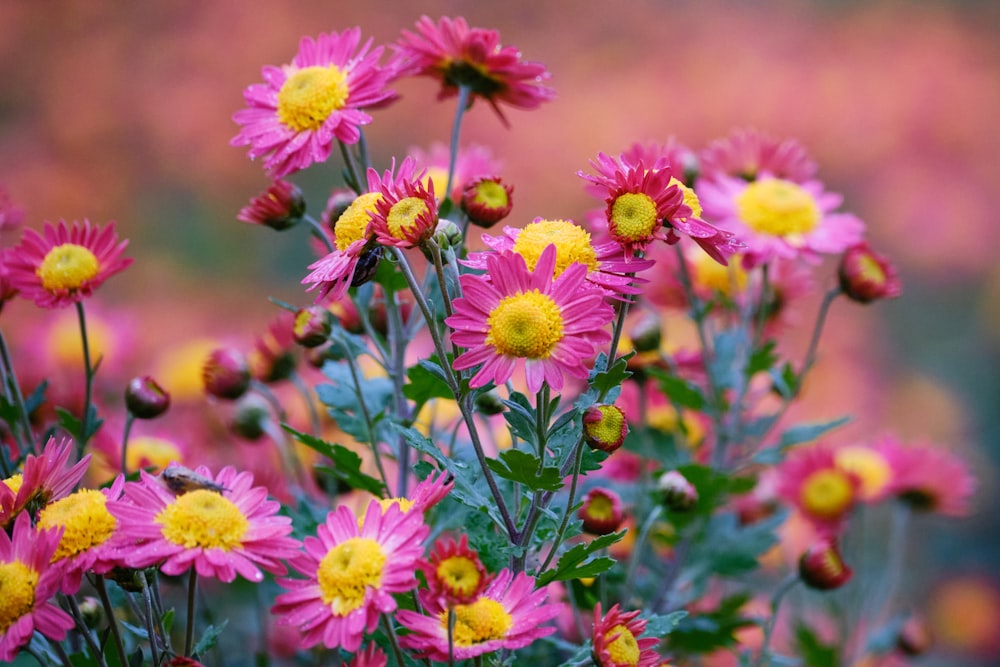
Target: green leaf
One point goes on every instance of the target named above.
(785, 381)
(69, 423)
(762, 359)
(708, 631)
(426, 381)
(521, 418)
(522, 467)
(679, 390)
(578, 562)
(346, 464)
(660, 625)
(209, 637)
(606, 380)
(806, 432)
(814, 652)
(389, 278)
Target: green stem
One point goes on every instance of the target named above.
(366, 415)
(461, 106)
(393, 640)
(319, 232)
(306, 394)
(451, 637)
(129, 419)
(88, 638)
(13, 389)
(102, 591)
(148, 618)
(354, 180)
(764, 657)
(84, 434)
(397, 344)
(191, 597)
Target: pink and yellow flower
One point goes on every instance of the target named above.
(353, 569)
(66, 263)
(616, 639)
(293, 118)
(220, 534)
(928, 478)
(473, 161)
(28, 580)
(455, 574)
(459, 56)
(43, 478)
(812, 482)
(406, 213)
(514, 316)
(747, 153)
(510, 614)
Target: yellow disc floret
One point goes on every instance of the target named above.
(403, 216)
(609, 427)
(493, 195)
(572, 243)
(690, 197)
(708, 273)
(352, 225)
(17, 592)
(600, 507)
(827, 493)
(633, 217)
(482, 621)
(459, 575)
(14, 482)
(310, 95)
(527, 325)
(777, 207)
(624, 650)
(67, 267)
(347, 570)
(85, 519)
(203, 519)
(869, 466)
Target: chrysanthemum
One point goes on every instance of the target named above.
(616, 639)
(353, 238)
(514, 316)
(425, 495)
(43, 478)
(776, 217)
(607, 264)
(458, 55)
(87, 527)
(473, 161)
(870, 465)
(928, 478)
(66, 263)
(279, 207)
(746, 153)
(508, 615)
(372, 656)
(601, 512)
(454, 572)
(811, 481)
(406, 214)
(237, 531)
(352, 573)
(27, 581)
(294, 117)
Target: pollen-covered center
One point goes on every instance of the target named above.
(310, 95)
(14, 482)
(67, 267)
(869, 466)
(482, 621)
(572, 244)
(690, 197)
(527, 325)
(633, 217)
(778, 207)
(609, 427)
(870, 270)
(85, 518)
(17, 592)
(347, 570)
(403, 216)
(624, 649)
(827, 493)
(205, 519)
(352, 225)
(459, 575)
(600, 507)
(492, 195)
(727, 280)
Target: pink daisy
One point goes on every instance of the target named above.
(65, 264)
(616, 642)
(458, 55)
(455, 574)
(220, 534)
(372, 656)
(513, 316)
(44, 478)
(746, 153)
(928, 478)
(294, 117)
(279, 207)
(509, 614)
(776, 217)
(812, 482)
(352, 573)
(28, 580)
(406, 214)
(608, 267)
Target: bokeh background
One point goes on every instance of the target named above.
(115, 110)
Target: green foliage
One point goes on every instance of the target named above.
(345, 464)
(524, 468)
(707, 631)
(582, 560)
(814, 652)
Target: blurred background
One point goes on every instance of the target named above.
(115, 110)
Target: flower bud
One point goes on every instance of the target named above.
(822, 567)
(489, 403)
(447, 234)
(127, 578)
(312, 326)
(604, 427)
(601, 512)
(251, 417)
(92, 611)
(339, 201)
(279, 207)
(486, 200)
(226, 373)
(646, 334)
(145, 399)
(867, 276)
(914, 636)
(676, 492)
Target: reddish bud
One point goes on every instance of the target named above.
(677, 493)
(601, 512)
(867, 276)
(604, 427)
(822, 567)
(145, 399)
(312, 326)
(279, 207)
(226, 373)
(486, 200)
(647, 334)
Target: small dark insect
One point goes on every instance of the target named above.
(367, 266)
(182, 480)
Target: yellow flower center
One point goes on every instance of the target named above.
(439, 177)
(633, 216)
(63, 340)
(690, 197)
(826, 493)
(352, 225)
(310, 95)
(403, 216)
(870, 467)
(347, 570)
(727, 280)
(482, 621)
(146, 451)
(17, 592)
(179, 371)
(609, 427)
(527, 325)
(778, 207)
(600, 507)
(14, 482)
(203, 519)
(85, 519)
(624, 650)
(870, 270)
(572, 244)
(459, 574)
(493, 195)
(67, 267)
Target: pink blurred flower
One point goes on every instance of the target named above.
(810, 480)
(746, 153)
(44, 478)
(372, 656)
(293, 118)
(616, 640)
(66, 264)
(11, 215)
(473, 161)
(928, 478)
(514, 316)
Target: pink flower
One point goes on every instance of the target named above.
(294, 117)
(406, 214)
(473, 161)
(44, 478)
(458, 55)
(66, 264)
(279, 207)
(747, 153)
(28, 581)
(372, 656)
(928, 478)
(514, 316)
(616, 640)
(509, 614)
(353, 569)
(812, 482)
(220, 534)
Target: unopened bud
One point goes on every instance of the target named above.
(601, 512)
(312, 326)
(647, 334)
(676, 491)
(867, 276)
(489, 403)
(251, 417)
(92, 611)
(604, 427)
(447, 234)
(145, 399)
(486, 200)
(226, 373)
(822, 567)
(279, 207)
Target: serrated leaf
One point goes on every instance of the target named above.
(209, 637)
(522, 467)
(68, 422)
(577, 561)
(679, 390)
(346, 464)
(785, 381)
(762, 359)
(806, 432)
(606, 380)
(520, 419)
(136, 630)
(660, 625)
(814, 652)
(426, 381)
